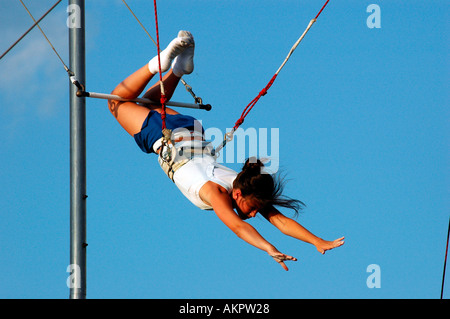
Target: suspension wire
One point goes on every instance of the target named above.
(198, 100)
(72, 77)
(49, 42)
(142, 26)
(31, 28)
(445, 260)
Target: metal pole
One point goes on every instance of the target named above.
(76, 22)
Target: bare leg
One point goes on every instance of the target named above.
(170, 81)
(131, 115)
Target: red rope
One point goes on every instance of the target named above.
(322, 9)
(249, 107)
(163, 96)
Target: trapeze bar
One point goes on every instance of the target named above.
(80, 93)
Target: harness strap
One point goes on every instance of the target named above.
(181, 155)
(170, 169)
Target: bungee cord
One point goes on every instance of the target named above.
(161, 83)
(167, 152)
(229, 136)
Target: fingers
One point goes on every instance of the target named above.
(339, 242)
(280, 258)
(328, 245)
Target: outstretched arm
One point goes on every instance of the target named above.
(291, 228)
(220, 200)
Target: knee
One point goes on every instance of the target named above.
(113, 106)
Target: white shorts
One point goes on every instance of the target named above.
(201, 169)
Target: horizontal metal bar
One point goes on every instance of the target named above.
(206, 107)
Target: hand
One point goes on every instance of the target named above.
(280, 258)
(324, 245)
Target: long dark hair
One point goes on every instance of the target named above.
(266, 188)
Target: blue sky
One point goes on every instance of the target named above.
(363, 138)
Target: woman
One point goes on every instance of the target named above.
(199, 177)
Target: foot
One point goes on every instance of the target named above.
(184, 63)
(175, 48)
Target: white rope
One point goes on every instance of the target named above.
(296, 45)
